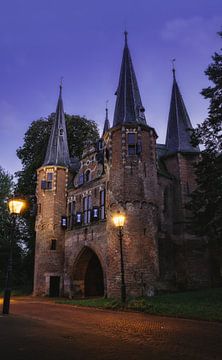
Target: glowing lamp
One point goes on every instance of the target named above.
(119, 220)
(16, 205)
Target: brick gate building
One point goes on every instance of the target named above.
(77, 247)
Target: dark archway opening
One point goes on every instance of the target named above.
(88, 277)
(94, 285)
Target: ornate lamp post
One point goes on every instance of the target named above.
(119, 220)
(16, 206)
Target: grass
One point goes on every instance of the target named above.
(203, 304)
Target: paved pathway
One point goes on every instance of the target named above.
(38, 329)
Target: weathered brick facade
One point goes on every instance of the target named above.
(127, 172)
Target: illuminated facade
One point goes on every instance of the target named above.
(77, 247)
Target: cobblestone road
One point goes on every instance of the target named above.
(38, 329)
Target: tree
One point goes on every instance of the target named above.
(32, 154)
(5, 192)
(206, 200)
(36, 138)
(19, 252)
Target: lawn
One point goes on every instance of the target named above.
(202, 304)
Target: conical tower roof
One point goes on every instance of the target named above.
(106, 126)
(129, 108)
(57, 150)
(179, 127)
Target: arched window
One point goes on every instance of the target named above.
(87, 176)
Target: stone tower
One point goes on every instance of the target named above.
(180, 153)
(131, 189)
(180, 158)
(52, 179)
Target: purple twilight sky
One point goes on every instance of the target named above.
(40, 41)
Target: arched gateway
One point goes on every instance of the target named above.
(88, 277)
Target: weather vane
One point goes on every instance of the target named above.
(107, 109)
(61, 81)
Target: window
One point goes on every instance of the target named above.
(71, 214)
(131, 143)
(64, 222)
(61, 132)
(87, 176)
(78, 218)
(53, 244)
(47, 184)
(102, 205)
(95, 213)
(49, 176)
(49, 180)
(87, 206)
(81, 179)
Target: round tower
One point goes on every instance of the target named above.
(132, 190)
(52, 179)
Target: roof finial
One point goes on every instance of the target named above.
(125, 34)
(60, 85)
(173, 67)
(107, 109)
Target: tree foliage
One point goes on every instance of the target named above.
(36, 138)
(5, 192)
(206, 200)
(19, 268)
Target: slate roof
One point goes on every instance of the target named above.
(129, 108)
(106, 124)
(179, 127)
(57, 150)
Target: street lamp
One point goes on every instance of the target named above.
(119, 220)
(16, 206)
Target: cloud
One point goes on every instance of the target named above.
(196, 32)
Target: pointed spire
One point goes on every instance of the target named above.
(106, 123)
(126, 34)
(129, 108)
(57, 150)
(173, 68)
(179, 128)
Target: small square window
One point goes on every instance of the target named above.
(49, 176)
(131, 143)
(131, 139)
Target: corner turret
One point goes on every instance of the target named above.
(51, 193)
(179, 127)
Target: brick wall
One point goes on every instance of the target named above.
(51, 206)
